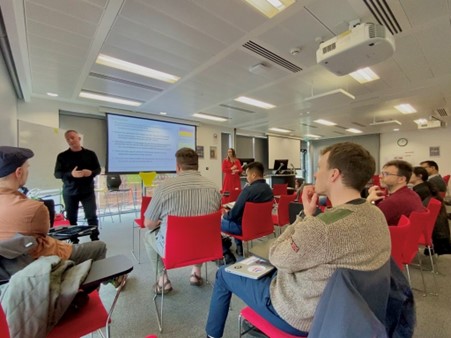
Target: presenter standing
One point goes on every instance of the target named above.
(77, 167)
(231, 167)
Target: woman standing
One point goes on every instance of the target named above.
(231, 167)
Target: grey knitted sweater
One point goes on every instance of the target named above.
(353, 235)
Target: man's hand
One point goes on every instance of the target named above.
(375, 193)
(87, 172)
(309, 200)
(77, 173)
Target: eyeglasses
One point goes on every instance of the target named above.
(385, 174)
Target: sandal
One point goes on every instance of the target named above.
(165, 289)
(198, 280)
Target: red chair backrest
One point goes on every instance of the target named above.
(145, 201)
(257, 220)
(280, 189)
(283, 215)
(417, 219)
(398, 237)
(434, 207)
(183, 235)
(4, 329)
(446, 179)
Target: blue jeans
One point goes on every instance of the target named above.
(233, 228)
(255, 293)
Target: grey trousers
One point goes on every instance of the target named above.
(91, 250)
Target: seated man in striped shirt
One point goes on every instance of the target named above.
(187, 194)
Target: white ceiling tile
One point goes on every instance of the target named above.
(78, 9)
(60, 20)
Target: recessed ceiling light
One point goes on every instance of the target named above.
(163, 113)
(405, 108)
(210, 117)
(325, 122)
(354, 130)
(312, 136)
(52, 94)
(396, 129)
(110, 61)
(270, 7)
(101, 97)
(364, 75)
(280, 130)
(254, 102)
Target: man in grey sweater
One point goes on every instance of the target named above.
(352, 234)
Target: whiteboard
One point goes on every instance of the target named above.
(46, 143)
(280, 148)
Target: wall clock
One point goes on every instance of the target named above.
(402, 142)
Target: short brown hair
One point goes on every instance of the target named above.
(70, 131)
(354, 162)
(256, 167)
(187, 159)
(404, 168)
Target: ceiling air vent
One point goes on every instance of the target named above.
(236, 108)
(125, 82)
(267, 54)
(384, 15)
(308, 125)
(443, 112)
(358, 124)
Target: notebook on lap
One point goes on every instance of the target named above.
(251, 267)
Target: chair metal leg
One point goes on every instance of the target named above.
(433, 271)
(136, 255)
(422, 275)
(159, 313)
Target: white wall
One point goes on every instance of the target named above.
(417, 148)
(209, 136)
(8, 108)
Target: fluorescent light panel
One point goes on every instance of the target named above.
(210, 117)
(270, 8)
(421, 121)
(325, 122)
(405, 108)
(312, 136)
(52, 94)
(110, 61)
(100, 97)
(254, 102)
(280, 130)
(354, 130)
(364, 75)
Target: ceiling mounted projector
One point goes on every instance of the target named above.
(364, 45)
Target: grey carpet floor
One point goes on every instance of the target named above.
(186, 308)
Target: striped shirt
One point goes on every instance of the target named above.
(187, 194)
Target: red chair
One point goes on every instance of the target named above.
(93, 316)
(183, 231)
(425, 240)
(262, 324)
(417, 219)
(257, 222)
(398, 236)
(282, 217)
(139, 224)
(446, 179)
(280, 189)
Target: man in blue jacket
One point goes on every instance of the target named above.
(257, 191)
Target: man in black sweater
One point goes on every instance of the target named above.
(77, 168)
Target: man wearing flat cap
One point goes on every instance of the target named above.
(19, 214)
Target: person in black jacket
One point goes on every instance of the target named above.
(441, 236)
(77, 167)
